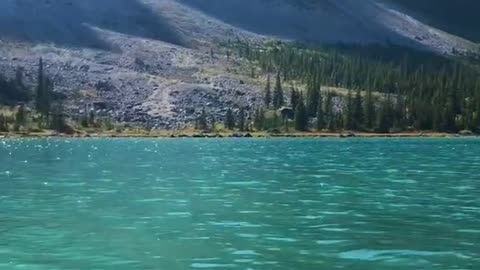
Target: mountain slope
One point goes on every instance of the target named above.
(330, 21)
(70, 23)
(459, 17)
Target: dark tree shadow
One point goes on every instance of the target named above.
(69, 22)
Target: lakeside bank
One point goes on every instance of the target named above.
(193, 134)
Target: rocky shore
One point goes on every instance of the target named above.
(198, 134)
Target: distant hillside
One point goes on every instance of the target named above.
(460, 17)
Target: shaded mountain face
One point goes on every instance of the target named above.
(308, 20)
(70, 22)
(74, 22)
(459, 17)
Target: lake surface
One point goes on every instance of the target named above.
(240, 204)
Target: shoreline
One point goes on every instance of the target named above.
(171, 134)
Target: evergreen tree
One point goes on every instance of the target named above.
(213, 122)
(369, 110)
(229, 120)
(39, 93)
(91, 118)
(84, 120)
(329, 113)
(301, 117)
(241, 120)
(43, 92)
(259, 120)
(202, 120)
(268, 93)
(20, 117)
(320, 114)
(349, 122)
(385, 116)
(449, 116)
(312, 100)
(476, 117)
(358, 117)
(294, 95)
(340, 121)
(3, 123)
(275, 122)
(58, 122)
(21, 89)
(399, 113)
(278, 93)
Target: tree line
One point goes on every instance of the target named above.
(49, 111)
(387, 87)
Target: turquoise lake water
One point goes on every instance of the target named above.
(240, 204)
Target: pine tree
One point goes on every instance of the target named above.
(278, 93)
(301, 117)
(202, 120)
(241, 120)
(399, 113)
(358, 117)
(268, 93)
(329, 113)
(369, 110)
(349, 124)
(293, 98)
(385, 116)
(213, 122)
(58, 122)
(476, 118)
(20, 117)
(448, 117)
(21, 89)
(320, 114)
(3, 123)
(40, 87)
(312, 100)
(43, 92)
(259, 120)
(91, 118)
(229, 120)
(340, 121)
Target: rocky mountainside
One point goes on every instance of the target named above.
(459, 17)
(150, 61)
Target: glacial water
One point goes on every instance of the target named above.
(371, 204)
